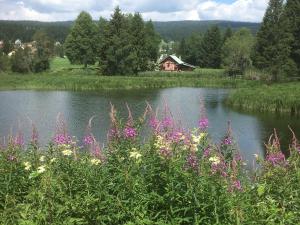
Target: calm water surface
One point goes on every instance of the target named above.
(18, 108)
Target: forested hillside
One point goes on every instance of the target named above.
(175, 30)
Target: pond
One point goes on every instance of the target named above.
(251, 130)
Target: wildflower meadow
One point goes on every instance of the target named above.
(176, 176)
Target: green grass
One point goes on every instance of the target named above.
(282, 98)
(64, 76)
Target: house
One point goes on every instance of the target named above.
(173, 63)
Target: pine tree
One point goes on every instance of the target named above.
(227, 34)
(211, 48)
(118, 56)
(292, 14)
(81, 43)
(272, 48)
(152, 42)
(138, 42)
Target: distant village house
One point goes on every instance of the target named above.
(173, 63)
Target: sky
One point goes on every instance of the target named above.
(157, 10)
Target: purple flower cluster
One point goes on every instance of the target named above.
(130, 133)
(154, 123)
(203, 123)
(192, 161)
(219, 168)
(167, 122)
(62, 139)
(88, 139)
(227, 141)
(19, 140)
(236, 186)
(206, 152)
(276, 159)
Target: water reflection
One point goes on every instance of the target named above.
(42, 107)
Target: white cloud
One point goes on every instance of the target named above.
(55, 10)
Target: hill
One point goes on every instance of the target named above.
(174, 30)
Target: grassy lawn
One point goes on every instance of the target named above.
(64, 76)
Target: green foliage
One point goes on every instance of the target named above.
(44, 49)
(173, 178)
(80, 45)
(281, 98)
(21, 61)
(128, 45)
(236, 52)
(273, 48)
(211, 47)
(4, 62)
(292, 15)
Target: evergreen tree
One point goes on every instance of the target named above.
(193, 43)
(292, 14)
(227, 34)
(211, 48)
(81, 43)
(44, 48)
(138, 41)
(182, 49)
(272, 48)
(118, 56)
(152, 42)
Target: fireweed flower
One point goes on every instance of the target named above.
(276, 158)
(154, 123)
(95, 162)
(203, 123)
(88, 139)
(192, 161)
(167, 122)
(129, 133)
(206, 152)
(61, 139)
(27, 165)
(235, 186)
(227, 141)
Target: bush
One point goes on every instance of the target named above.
(21, 61)
(4, 62)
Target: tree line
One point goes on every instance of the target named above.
(275, 50)
(125, 44)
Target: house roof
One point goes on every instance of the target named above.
(177, 60)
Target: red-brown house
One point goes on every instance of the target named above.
(173, 63)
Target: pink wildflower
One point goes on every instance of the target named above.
(130, 133)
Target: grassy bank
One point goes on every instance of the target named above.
(281, 98)
(64, 76)
(175, 178)
(76, 81)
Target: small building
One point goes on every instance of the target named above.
(173, 63)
